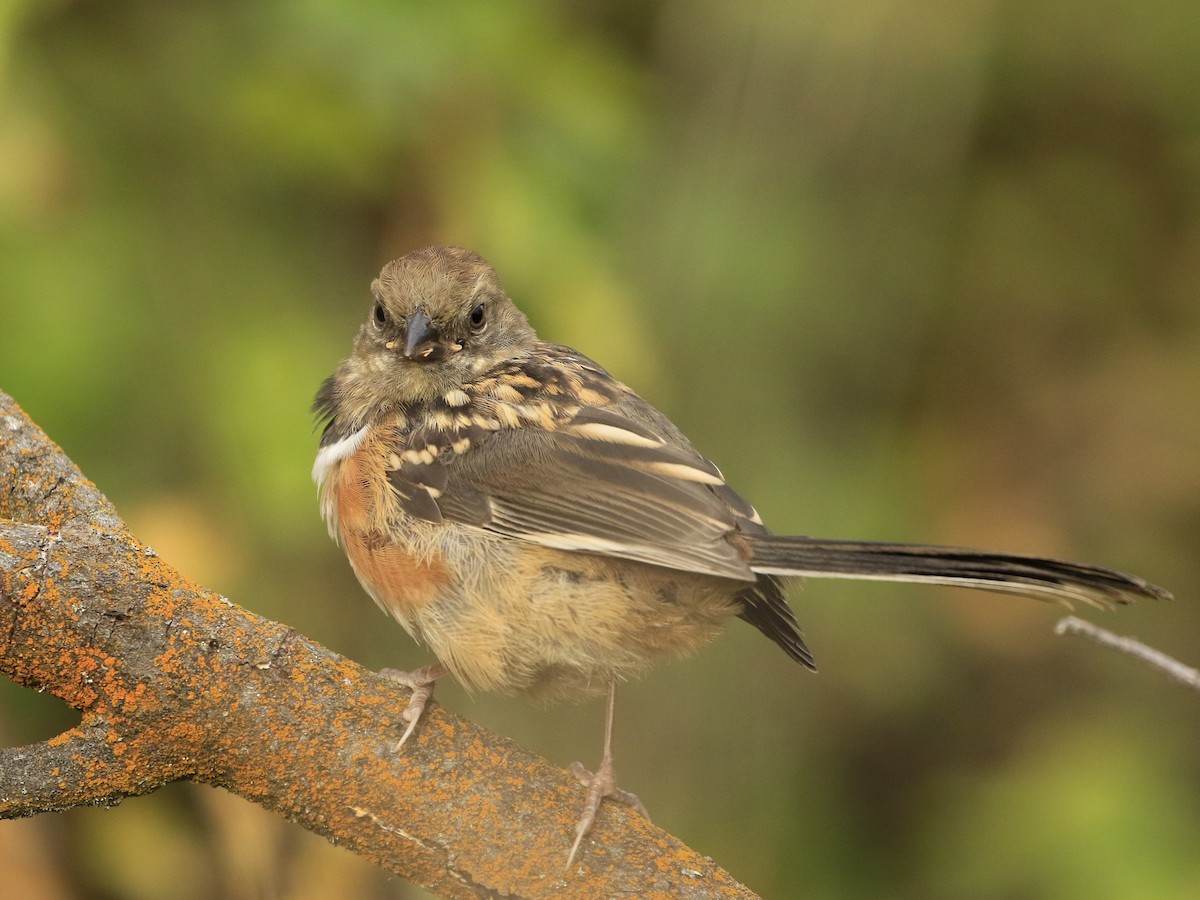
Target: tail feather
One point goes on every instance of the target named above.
(765, 607)
(1046, 579)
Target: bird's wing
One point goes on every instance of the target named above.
(607, 479)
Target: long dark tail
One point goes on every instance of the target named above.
(1045, 579)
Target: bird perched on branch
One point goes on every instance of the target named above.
(548, 532)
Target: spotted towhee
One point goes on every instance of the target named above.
(545, 530)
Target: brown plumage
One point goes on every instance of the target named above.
(545, 530)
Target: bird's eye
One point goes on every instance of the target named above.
(478, 318)
(380, 315)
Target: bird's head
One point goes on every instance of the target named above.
(439, 318)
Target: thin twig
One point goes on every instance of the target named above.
(1170, 666)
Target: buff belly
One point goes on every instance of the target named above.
(517, 618)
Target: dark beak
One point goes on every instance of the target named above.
(421, 338)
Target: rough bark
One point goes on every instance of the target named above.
(176, 682)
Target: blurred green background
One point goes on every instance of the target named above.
(923, 272)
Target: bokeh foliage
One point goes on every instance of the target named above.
(909, 271)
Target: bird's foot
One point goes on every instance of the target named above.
(420, 682)
(601, 785)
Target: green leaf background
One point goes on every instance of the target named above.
(923, 272)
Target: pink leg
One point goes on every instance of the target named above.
(420, 682)
(602, 784)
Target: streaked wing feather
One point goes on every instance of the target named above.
(599, 483)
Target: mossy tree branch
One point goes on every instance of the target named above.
(176, 682)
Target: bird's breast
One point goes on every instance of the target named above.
(396, 559)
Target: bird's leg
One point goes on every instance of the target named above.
(601, 784)
(420, 682)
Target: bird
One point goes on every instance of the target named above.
(547, 532)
